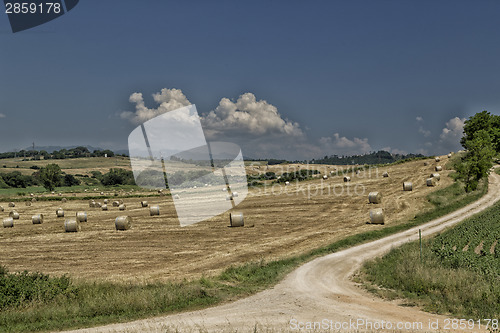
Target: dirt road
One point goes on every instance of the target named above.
(319, 291)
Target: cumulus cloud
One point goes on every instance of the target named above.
(167, 100)
(2, 115)
(249, 116)
(342, 145)
(419, 119)
(452, 133)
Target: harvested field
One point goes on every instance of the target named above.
(279, 221)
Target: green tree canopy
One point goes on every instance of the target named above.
(482, 121)
(50, 176)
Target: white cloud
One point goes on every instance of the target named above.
(342, 145)
(2, 115)
(168, 100)
(249, 117)
(451, 134)
(421, 129)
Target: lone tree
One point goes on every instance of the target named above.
(50, 176)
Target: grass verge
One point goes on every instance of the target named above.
(458, 274)
(91, 304)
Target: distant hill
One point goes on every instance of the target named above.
(379, 157)
(51, 149)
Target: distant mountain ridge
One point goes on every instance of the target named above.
(51, 149)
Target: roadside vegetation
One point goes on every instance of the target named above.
(459, 270)
(52, 303)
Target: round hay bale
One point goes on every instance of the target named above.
(377, 216)
(121, 201)
(14, 215)
(8, 222)
(154, 210)
(375, 197)
(59, 194)
(449, 155)
(32, 194)
(33, 200)
(437, 159)
(144, 203)
(92, 204)
(116, 203)
(104, 207)
(2, 209)
(11, 204)
(236, 219)
(347, 179)
(407, 186)
(438, 168)
(325, 177)
(52, 192)
(287, 183)
(60, 212)
(105, 201)
(385, 174)
(235, 194)
(224, 189)
(37, 219)
(160, 191)
(431, 181)
(436, 175)
(98, 204)
(123, 222)
(81, 216)
(122, 207)
(64, 199)
(177, 196)
(71, 225)
(27, 203)
(102, 193)
(426, 163)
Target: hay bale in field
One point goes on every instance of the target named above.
(385, 174)
(236, 219)
(14, 215)
(11, 204)
(64, 199)
(377, 216)
(59, 194)
(177, 196)
(105, 201)
(407, 186)
(102, 193)
(32, 194)
(92, 204)
(60, 212)
(287, 183)
(1, 209)
(154, 210)
(235, 194)
(104, 207)
(347, 179)
(436, 175)
(437, 159)
(116, 203)
(449, 155)
(375, 197)
(81, 216)
(144, 203)
(37, 219)
(325, 177)
(122, 207)
(27, 203)
(123, 222)
(438, 168)
(431, 182)
(71, 225)
(98, 205)
(160, 191)
(33, 200)
(8, 222)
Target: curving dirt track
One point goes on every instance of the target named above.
(320, 289)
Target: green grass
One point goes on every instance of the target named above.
(90, 304)
(497, 170)
(448, 280)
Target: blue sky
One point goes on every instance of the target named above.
(293, 79)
